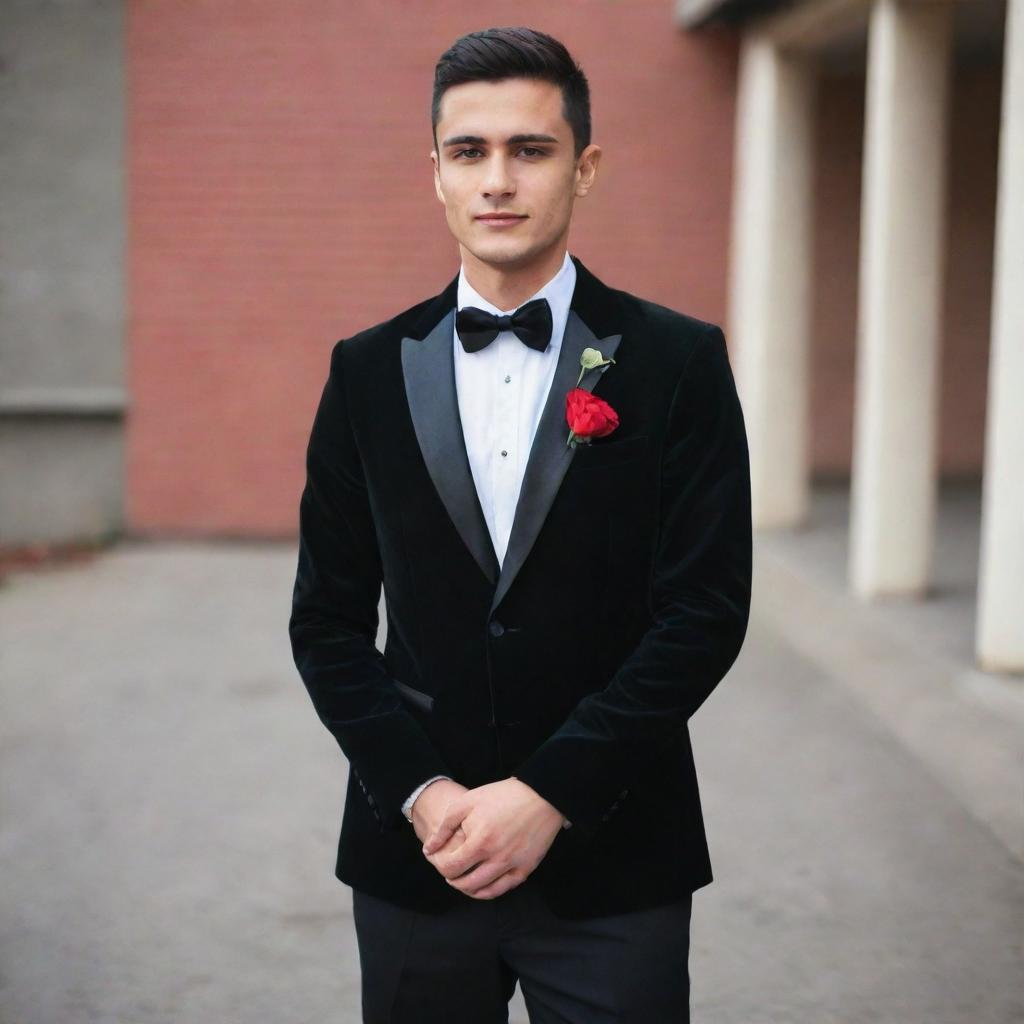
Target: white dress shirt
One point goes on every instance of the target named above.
(501, 393)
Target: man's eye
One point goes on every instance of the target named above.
(530, 151)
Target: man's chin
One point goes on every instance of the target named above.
(504, 257)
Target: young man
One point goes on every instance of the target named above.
(550, 478)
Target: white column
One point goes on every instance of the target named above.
(770, 262)
(1000, 632)
(901, 261)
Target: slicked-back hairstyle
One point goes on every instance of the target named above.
(493, 54)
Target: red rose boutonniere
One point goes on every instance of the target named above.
(587, 415)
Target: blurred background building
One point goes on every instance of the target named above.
(200, 199)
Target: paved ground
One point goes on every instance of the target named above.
(170, 807)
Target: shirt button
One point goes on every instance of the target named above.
(507, 378)
(504, 452)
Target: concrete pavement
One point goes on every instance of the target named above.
(170, 806)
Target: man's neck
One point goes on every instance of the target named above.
(508, 288)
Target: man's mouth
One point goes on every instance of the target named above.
(500, 219)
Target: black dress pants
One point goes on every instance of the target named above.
(461, 966)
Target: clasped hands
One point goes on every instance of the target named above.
(487, 840)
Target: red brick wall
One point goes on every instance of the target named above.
(281, 198)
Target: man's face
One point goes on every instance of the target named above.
(504, 148)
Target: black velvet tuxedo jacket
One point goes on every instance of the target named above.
(575, 667)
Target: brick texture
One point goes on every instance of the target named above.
(280, 198)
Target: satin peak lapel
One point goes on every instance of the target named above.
(428, 367)
(550, 455)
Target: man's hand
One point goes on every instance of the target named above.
(428, 810)
(508, 828)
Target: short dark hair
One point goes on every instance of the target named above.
(493, 54)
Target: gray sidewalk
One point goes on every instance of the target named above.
(170, 806)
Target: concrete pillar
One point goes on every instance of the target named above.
(62, 275)
(1000, 629)
(901, 263)
(770, 261)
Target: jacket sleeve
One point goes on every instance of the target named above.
(334, 618)
(700, 592)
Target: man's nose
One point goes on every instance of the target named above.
(498, 179)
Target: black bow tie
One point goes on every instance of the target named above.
(531, 323)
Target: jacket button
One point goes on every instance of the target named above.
(495, 628)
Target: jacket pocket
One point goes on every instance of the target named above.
(417, 698)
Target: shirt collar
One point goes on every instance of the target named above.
(558, 291)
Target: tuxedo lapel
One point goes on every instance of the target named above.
(550, 455)
(428, 367)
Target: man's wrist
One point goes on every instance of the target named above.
(566, 823)
(407, 806)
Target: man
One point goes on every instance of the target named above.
(550, 478)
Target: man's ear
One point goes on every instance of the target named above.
(586, 169)
(437, 175)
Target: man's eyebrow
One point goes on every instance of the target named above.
(476, 140)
